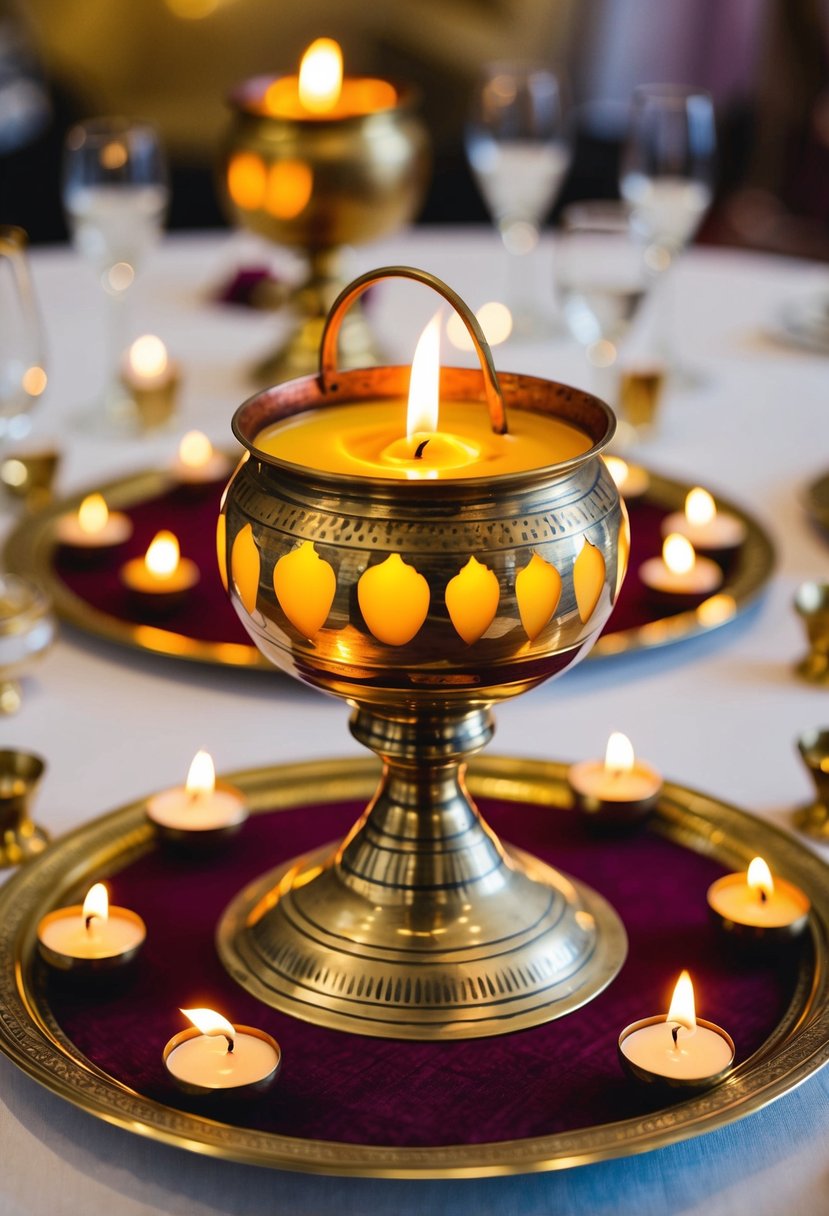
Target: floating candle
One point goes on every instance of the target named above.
(93, 526)
(709, 530)
(91, 937)
(679, 572)
(215, 1056)
(631, 480)
(197, 462)
(755, 906)
(677, 1048)
(200, 811)
(619, 790)
(161, 573)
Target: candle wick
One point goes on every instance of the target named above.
(89, 919)
(763, 895)
(420, 449)
(675, 1035)
(230, 1044)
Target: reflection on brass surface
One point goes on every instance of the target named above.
(29, 476)
(20, 838)
(31, 1037)
(813, 747)
(812, 604)
(317, 186)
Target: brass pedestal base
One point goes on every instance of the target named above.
(421, 925)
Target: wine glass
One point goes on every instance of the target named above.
(601, 278)
(517, 146)
(115, 195)
(22, 373)
(667, 177)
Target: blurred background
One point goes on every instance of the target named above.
(765, 62)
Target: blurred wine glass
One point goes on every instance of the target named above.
(22, 371)
(517, 146)
(115, 195)
(667, 177)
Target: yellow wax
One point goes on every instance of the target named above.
(359, 96)
(368, 439)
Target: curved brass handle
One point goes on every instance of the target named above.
(330, 333)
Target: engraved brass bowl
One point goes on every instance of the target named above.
(316, 185)
(421, 923)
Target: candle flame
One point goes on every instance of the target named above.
(759, 878)
(162, 556)
(678, 554)
(619, 757)
(96, 903)
(201, 778)
(424, 385)
(207, 1021)
(148, 356)
(618, 470)
(681, 1010)
(321, 76)
(93, 514)
(195, 450)
(700, 508)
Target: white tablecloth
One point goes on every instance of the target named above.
(720, 713)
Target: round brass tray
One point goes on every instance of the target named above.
(30, 1036)
(30, 546)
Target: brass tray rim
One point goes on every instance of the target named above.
(28, 551)
(30, 1037)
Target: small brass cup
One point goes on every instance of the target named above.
(21, 839)
(813, 819)
(812, 603)
(30, 476)
(640, 394)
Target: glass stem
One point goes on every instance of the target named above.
(117, 311)
(664, 303)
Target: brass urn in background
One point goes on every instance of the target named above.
(315, 184)
(421, 924)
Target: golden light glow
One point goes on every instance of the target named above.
(618, 470)
(759, 878)
(119, 277)
(221, 547)
(207, 1021)
(622, 548)
(245, 567)
(321, 76)
(93, 514)
(700, 508)
(537, 590)
(96, 903)
(289, 187)
(588, 579)
(619, 756)
(682, 1011)
(678, 554)
(192, 10)
(247, 180)
(195, 450)
(394, 600)
(495, 320)
(162, 557)
(148, 357)
(201, 776)
(305, 585)
(424, 385)
(34, 380)
(472, 600)
(114, 155)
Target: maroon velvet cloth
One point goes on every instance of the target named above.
(341, 1087)
(207, 615)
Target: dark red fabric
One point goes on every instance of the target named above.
(341, 1087)
(207, 615)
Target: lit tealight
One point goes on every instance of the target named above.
(197, 462)
(162, 571)
(321, 76)
(94, 936)
(631, 480)
(151, 378)
(202, 809)
(213, 1055)
(93, 526)
(756, 907)
(709, 530)
(618, 791)
(679, 572)
(495, 320)
(148, 360)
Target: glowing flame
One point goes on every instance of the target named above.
(195, 450)
(93, 514)
(321, 76)
(682, 1011)
(207, 1021)
(201, 778)
(96, 903)
(678, 554)
(759, 878)
(424, 385)
(700, 507)
(148, 357)
(619, 757)
(618, 470)
(163, 554)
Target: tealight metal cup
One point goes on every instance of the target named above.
(78, 967)
(232, 1093)
(813, 819)
(759, 937)
(691, 1084)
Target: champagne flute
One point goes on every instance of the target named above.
(22, 372)
(115, 195)
(517, 146)
(667, 177)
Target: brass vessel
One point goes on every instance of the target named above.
(421, 923)
(316, 185)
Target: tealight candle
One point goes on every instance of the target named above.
(632, 481)
(197, 462)
(677, 1048)
(618, 791)
(710, 531)
(679, 574)
(92, 937)
(202, 810)
(320, 92)
(755, 907)
(161, 577)
(214, 1056)
(93, 527)
(152, 380)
